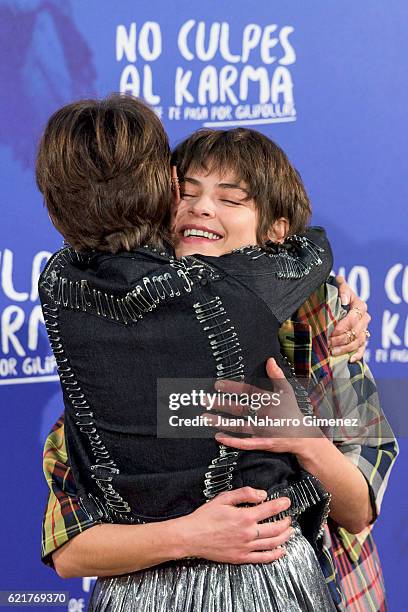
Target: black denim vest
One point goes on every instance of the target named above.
(117, 323)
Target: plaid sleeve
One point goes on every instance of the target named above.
(352, 388)
(63, 517)
(375, 449)
(351, 564)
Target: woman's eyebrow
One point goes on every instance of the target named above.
(232, 186)
(187, 179)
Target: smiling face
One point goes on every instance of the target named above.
(214, 216)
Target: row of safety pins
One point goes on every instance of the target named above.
(302, 396)
(223, 339)
(296, 262)
(224, 344)
(78, 295)
(303, 495)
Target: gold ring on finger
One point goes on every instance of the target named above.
(349, 336)
(358, 311)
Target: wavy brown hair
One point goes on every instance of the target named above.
(103, 167)
(271, 180)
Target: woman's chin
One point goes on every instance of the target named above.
(198, 247)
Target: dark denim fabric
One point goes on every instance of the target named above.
(110, 362)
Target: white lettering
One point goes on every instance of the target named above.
(181, 84)
(282, 84)
(147, 51)
(258, 74)
(182, 39)
(149, 44)
(203, 54)
(268, 42)
(359, 281)
(228, 76)
(390, 284)
(9, 327)
(8, 367)
(148, 94)
(224, 45)
(130, 81)
(389, 323)
(37, 365)
(290, 55)
(250, 40)
(36, 317)
(126, 43)
(7, 279)
(208, 85)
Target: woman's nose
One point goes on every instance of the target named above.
(202, 207)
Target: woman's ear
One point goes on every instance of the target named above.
(279, 230)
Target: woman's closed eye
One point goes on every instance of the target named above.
(232, 202)
(184, 195)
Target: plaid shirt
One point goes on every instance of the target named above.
(350, 563)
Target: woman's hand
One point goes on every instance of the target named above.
(218, 530)
(221, 531)
(350, 502)
(290, 436)
(350, 334)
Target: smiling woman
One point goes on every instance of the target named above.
(238, 181)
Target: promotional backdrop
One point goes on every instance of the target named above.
(327, 80)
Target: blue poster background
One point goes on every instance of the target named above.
(332, 92)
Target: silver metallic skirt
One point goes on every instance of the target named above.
(293, 583)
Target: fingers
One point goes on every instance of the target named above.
(362, 324)
(276, 374)
(273, 370)
(269, 508)
(243, 443)
(353, 325)
(359, 354)
(347, 295)
(350, 321)
(268, 531)
(261, 511)
(267, 544)
(353, 320)
(357, 319)
(341, 345)
(227, 407)
(212, 420)
(233, 386)
(356, 302)
(240, 496)
(265, 557)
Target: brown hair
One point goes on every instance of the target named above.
(272, 182)
(103, 167)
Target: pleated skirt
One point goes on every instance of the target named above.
(293, 583)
